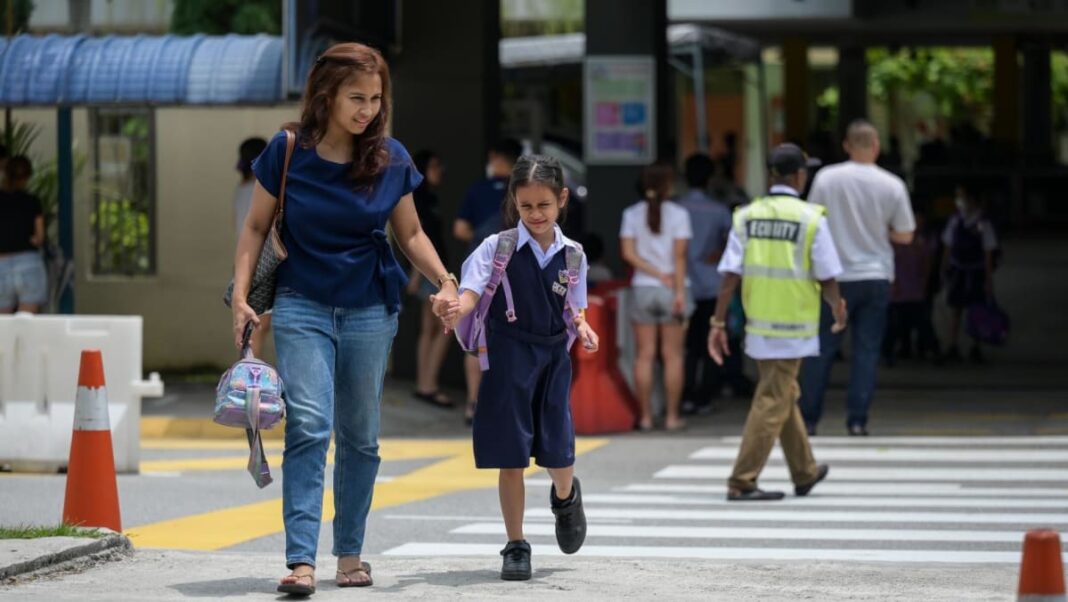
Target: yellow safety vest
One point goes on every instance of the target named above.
(780, 295)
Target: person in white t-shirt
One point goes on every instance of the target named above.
(653, 238)
(867, 208)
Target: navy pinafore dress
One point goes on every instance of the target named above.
(524, 407)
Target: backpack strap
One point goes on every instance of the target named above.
(506, 244)
(257, 458)
(573, 260)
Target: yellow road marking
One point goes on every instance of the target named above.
(232, 526)
(162, 427)
(391, 450)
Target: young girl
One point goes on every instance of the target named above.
(523, 408)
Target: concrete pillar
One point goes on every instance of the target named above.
(446, 97)
(446, 92)
(1037, 109)
(795, 89)
(629, 28)
(852, 86)
(1006, 127)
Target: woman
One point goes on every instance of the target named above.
(335, 310)
(23, 279)
(653, 238)
(433, 341)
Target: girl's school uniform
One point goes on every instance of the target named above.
(524, 408)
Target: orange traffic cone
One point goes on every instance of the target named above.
(92, 498)
(1042, 570)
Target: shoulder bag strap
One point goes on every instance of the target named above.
(291, 143)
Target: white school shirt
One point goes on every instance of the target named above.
(477, 268)
(825, 265)
(659, 248)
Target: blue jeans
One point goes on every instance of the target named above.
(867, 302)
(332, 361)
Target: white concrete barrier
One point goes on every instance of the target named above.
(39, 359)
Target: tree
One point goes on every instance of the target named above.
(221, 17)
(960, 80)
(22, 11)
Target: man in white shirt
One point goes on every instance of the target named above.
(867, 209)
(778, 249)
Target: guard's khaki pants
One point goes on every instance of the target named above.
(774, 415)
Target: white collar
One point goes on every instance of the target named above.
(559, 240)
(783, 189)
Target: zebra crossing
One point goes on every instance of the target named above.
(888, 499)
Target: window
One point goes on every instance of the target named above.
(123, 219)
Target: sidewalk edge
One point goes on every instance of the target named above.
(114, 541)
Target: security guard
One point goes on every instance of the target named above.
(781, 251)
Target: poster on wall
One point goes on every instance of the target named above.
(620, 113)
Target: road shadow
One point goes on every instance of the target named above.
(461, 578)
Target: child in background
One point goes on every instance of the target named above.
(910, 311)
(523, 407)
(970, 244)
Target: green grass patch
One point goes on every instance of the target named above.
(37, 532)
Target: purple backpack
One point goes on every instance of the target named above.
(471, 331)
(987, 323)
(250, 395)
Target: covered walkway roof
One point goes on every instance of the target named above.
(546, 51)
(57, 70)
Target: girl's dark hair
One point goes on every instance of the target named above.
(533, 169)
(656, 184)
(18, 168)
(339, 65)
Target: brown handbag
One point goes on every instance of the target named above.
(273, 253)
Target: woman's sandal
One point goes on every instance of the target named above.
(469, 413)
(436, 399)
(298, 585)
(365, 567)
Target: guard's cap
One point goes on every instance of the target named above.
(788, 158)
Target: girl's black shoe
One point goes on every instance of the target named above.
(516, 565)
(570, 518)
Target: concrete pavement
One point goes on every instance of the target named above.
(163, 576)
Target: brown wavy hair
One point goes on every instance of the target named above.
(339, 65)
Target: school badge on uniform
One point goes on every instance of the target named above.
(563, 277)
(559, 289)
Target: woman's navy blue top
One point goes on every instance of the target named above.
(336, 235)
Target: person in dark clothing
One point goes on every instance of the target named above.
(710, 220)
(910, 307)
(23, 278)
(968, 260)
(433, 342)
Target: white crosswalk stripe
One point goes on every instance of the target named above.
(899, 500)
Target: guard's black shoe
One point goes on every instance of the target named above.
(753, 495)
(516, 565)
(821, 473)
(570, 518)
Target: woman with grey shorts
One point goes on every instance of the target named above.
(23, 280)
(653, 238)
